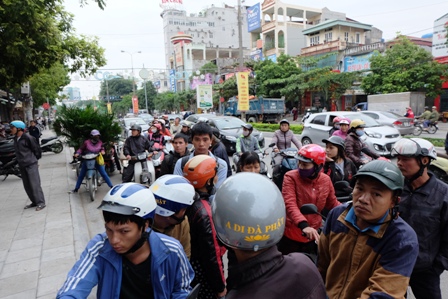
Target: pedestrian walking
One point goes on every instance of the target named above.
(27, 153)
(295, 113)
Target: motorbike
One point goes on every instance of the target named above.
(92, 179)
(52, 144)
(309, 209)
(157, 158)
(8, 161)
(144, 172)
(343, 191)
(169, 148)
(440, 169)
(419, 128)
(289, 162)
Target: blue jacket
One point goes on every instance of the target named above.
(171, 272)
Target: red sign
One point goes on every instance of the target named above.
(135, 104)
(46, 106)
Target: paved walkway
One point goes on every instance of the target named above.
(38, 248)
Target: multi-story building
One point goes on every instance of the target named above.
(213, 32)
(72, 93)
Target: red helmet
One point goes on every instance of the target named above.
(312, 153)
(337, 119)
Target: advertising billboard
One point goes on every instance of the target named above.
(253, 17)
(439, 48)
(243, 91)
(357, 63)
(204, 96)
(173, 80)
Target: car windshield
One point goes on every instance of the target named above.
(130, 121)
(370, 122)
(146, 117)
(228, 123)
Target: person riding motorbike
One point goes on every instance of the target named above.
(337, 166)
(425, 117)
(249, 162)
(219, 149)
(155, 136)
(355, 148)
(344, 125)
(186, 130)
(409, 113)
(134, 144)
(246, 143)
(92, 145)
(282, 139)
(433, 117)
(336, 125)
(307, 184)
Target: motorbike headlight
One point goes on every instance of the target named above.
(231, 138)
(373, 134)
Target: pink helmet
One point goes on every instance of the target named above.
(344, 121)
(336, 120)
(158, 126)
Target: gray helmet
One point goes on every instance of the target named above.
(385, 172)
(249, 212)
(414, 147)
(336, 140)
(284, 121)
(136, 127)
(248, 126)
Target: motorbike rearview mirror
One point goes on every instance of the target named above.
(309, 209)
(272, 144)
(341, 185)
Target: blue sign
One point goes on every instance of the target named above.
(253, 17)
(173, 80)
(273, 58)
(156, 84)
(256, 55)
(357, 63)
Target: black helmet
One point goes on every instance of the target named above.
(336, 140)
(136, 127)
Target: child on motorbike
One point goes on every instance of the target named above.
(249, 162)
(92, 145)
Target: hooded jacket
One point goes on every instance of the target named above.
(354, 146)
(171, 273)
(297, 191)
(283, 140)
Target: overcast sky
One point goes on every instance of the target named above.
(136, 25)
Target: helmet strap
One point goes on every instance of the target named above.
(418, 174)
(143, 238)
(317, 169)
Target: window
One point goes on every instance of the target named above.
(314, 40)
(210, 35)
(328, 36)
(358, 39)
(346, 36)
(319, 120)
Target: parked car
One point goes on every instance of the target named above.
(148, 118)
(379, 138)
(230, 128)
(127, 123)
(403, 124)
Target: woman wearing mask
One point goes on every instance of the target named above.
(93, 145)
(344, 125)
(155, 136)
(307, 184)
(355, 148)
(336, 126)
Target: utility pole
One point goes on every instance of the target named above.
(240, 49)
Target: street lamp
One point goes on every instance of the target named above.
(132, 65)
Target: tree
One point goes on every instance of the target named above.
(209, 68)
(151, 94)
(46, 85)
(76, 124)
(404, 67)
(122, 107)
(117, 87)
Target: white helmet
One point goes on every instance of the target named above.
(130, 199)
(414, 147)
(172, 193)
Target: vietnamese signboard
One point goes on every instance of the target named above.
(439, 47)
(204, 96)
(253, 17)
(357, 63)
(135, 104)
(243, 90)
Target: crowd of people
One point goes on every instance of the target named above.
(163, 240)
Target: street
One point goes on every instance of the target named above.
(37, 249)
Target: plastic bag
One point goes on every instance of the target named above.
(100, 160)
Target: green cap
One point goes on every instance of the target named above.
(385, 172)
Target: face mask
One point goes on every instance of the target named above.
(306, 173)
(246, 133)
(153, 130)
(359, 132)
(337, 126)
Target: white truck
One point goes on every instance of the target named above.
(397, 102)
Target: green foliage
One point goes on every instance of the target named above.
(296, 129)
(151, 94)
(404, 67)
(209, 68)
(76, 124)
(117, 87)
(48, 83)
(122, 107)
(227, 89)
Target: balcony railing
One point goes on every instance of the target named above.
(336, 45)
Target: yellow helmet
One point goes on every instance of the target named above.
(357, 123)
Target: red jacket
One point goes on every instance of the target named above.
(297, 191)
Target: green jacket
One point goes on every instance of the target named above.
(434, 116)
(425, 115)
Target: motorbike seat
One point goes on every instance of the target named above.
(48, 139)
(7, 147)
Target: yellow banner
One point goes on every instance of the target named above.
(109, 108)
(243, 90)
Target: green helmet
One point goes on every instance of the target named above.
(385, 172)
(249, 212)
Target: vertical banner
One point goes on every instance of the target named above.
(204, 96)
(173, 83)
(109, 108)
(253, 17)
(135, 104)
(243, 91)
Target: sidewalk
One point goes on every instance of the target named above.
(37, 249)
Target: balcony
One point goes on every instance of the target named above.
(336, 45)
(268, 26)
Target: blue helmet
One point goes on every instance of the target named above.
(18, 124)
